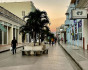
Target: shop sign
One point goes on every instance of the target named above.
(79, 14)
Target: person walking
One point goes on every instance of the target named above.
(58, 40)
(62, 39)
(52, 39)
(49, 41)
(14, 44)
(55, 40)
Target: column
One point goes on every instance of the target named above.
(2, 38)
(77, 34)
(71, 34)
(7, 34)
(18, 36)
(11, 34)
(74, 35)
(28, 37)
(21, 38)
(15, 32)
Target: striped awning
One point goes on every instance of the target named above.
(2, 28)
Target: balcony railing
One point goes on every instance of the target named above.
(11, 16)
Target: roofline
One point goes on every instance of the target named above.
(12, 13)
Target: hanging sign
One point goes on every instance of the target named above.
(3, 28)
(79, 14)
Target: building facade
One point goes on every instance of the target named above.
(20, 9)
(12, 24)
(11, 18)
(83, 4)
(74, 32)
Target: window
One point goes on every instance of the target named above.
(80, 29)
(80, 36)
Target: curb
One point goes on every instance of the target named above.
(72, 57)
(9, 49)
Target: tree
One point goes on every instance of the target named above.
(36, 21)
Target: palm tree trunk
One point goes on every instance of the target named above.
(29, 38)
(39, 38)
(34, 37)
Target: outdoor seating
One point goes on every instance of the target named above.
(35, 50)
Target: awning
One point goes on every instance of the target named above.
(2, 28)
(73, 1)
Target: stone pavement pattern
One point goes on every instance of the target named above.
(78, 54)
(55, 60)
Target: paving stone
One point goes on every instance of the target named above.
(54, 60)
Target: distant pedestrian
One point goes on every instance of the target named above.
(62, 39)
(14, 44)
(49, 41)
(59, 41)
(52, 39)
(55, 40)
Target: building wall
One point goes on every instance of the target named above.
(71, 23)
(85, 32)
(82, 4)
(8, 36)
(20, 9)
(17, 7)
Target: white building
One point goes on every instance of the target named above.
(77, 30)
(83, 4)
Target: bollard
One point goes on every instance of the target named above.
(83, 43)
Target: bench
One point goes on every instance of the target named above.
(28, 50)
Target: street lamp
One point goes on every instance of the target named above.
(61, 30)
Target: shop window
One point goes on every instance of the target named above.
(80, 36)
(80, 29)
(75, 35)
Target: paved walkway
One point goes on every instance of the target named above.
(54, 60)
(4, 48)
(79, 55)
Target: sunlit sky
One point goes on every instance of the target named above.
(55, 9)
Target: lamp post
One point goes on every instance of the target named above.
(61, 33)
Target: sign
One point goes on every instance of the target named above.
(79, 14)
(2, 28)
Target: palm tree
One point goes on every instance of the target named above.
(35, 23)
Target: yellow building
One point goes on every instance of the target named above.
(11, 18)
(20, 9)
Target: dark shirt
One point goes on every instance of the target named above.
(14, 43)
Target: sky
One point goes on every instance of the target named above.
(55, 9)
